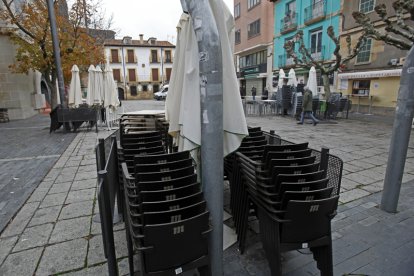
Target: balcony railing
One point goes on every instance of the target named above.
(284, 61)
(289, 23)
(315, 12)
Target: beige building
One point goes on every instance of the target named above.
(254, 22)
(372, 78)
(139, 67)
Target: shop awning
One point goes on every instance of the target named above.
(371, 74)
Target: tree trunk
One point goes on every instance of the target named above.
(326, 86)
(51, 83)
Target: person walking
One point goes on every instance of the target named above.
(254, 93)
(307, 107)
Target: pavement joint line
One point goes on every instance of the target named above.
(30, 158)
(15, 128)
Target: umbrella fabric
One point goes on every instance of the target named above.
(312, 83)
(292, 78)
(183, 101)
(98, 94)
(75, 93)
(281, 77)
(110, 97)
(91, 84)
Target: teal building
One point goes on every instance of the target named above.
(313, 17)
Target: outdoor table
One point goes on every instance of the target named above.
(359, 101)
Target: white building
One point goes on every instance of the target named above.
(141, 66)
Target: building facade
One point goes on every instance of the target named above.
(372, 78)
(313, 17)
(139, 67)
(253, 44)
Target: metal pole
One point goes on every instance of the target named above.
(211, 104)
(56, 51)
(123, 67)
(400, 137)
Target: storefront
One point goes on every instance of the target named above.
(375, 91)
(253, 77)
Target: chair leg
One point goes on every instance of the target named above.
(323, 258)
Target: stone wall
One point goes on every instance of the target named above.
(16, 90)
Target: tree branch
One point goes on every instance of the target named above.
(16, 22)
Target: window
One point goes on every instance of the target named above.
(154, 56)
(290, 9)
(117, 74)
(168, 73)
(366, 6)
(131, 75)
(237, 11)
(237, 37)
(253, 29)
(130, 56)
(133, 90)
(316, 41)
(144, 87)
(155, 88)
(252, 3)
(253, 59)
(361, 87)
(154, 72)
(364, 54)
(114, 56)
(168, 56)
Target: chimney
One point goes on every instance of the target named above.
(141, 38)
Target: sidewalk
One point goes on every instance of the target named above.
(54, 232)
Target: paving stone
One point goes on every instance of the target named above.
(45, 185)
(38, 195)
(360, 178)
(78, 209)
(96, 253)
(407, 177)
(64, 178)
(63, 257)
(60, 188)
(91, 161)
(361, 164)
(87, 168)
(6, 246)
(369, 204)
(85, 175)
(352, 168)
(34, 237)
(84, 184)
(81, 195)
(21, 263)
(73, 163)
(352, 195)
(368, 221)
(70, 229)
(53, 200)
(374, 188)
(45, 215)
(18, 224)
(347, 184)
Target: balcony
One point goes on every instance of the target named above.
(315, 12)
(168, 60)
(289, 23)
(284, 61)
(317, 53)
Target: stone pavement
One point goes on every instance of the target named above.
(27, 153)
(54, 232)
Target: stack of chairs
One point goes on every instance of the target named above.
(289, 188)
(166, 216)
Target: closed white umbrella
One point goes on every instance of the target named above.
(293, 81)
(98, 94)
(110, 98)
(312, 82)
(183, 100)
(91, 84)
(75, 92)
(281, 77)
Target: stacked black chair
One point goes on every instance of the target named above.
(167, 219)
(289, 187)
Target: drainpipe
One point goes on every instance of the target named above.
(400, 137)
(56, 51)
(123, 67)
(211, 116)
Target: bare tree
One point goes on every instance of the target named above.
(303, 58)
(397, 32)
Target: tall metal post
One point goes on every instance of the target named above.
(400, 137)
(56, 51)
(211, 104)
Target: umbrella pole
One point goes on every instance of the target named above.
(56, 51)
(211, 104)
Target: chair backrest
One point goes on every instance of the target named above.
(303, 186)
(162, 158)
(298, 177)
(172, 204)
(314, 215)
(283, 148)
(175, 244)
(142, 145)
(166, 175)
(293, 170)
(146, 168)
(175, 215)
(290, 162)
(167, 184)
(288, 154)
(144, 151)
(305, 195)
(152, 196)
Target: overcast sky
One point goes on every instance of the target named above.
(153, 18)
